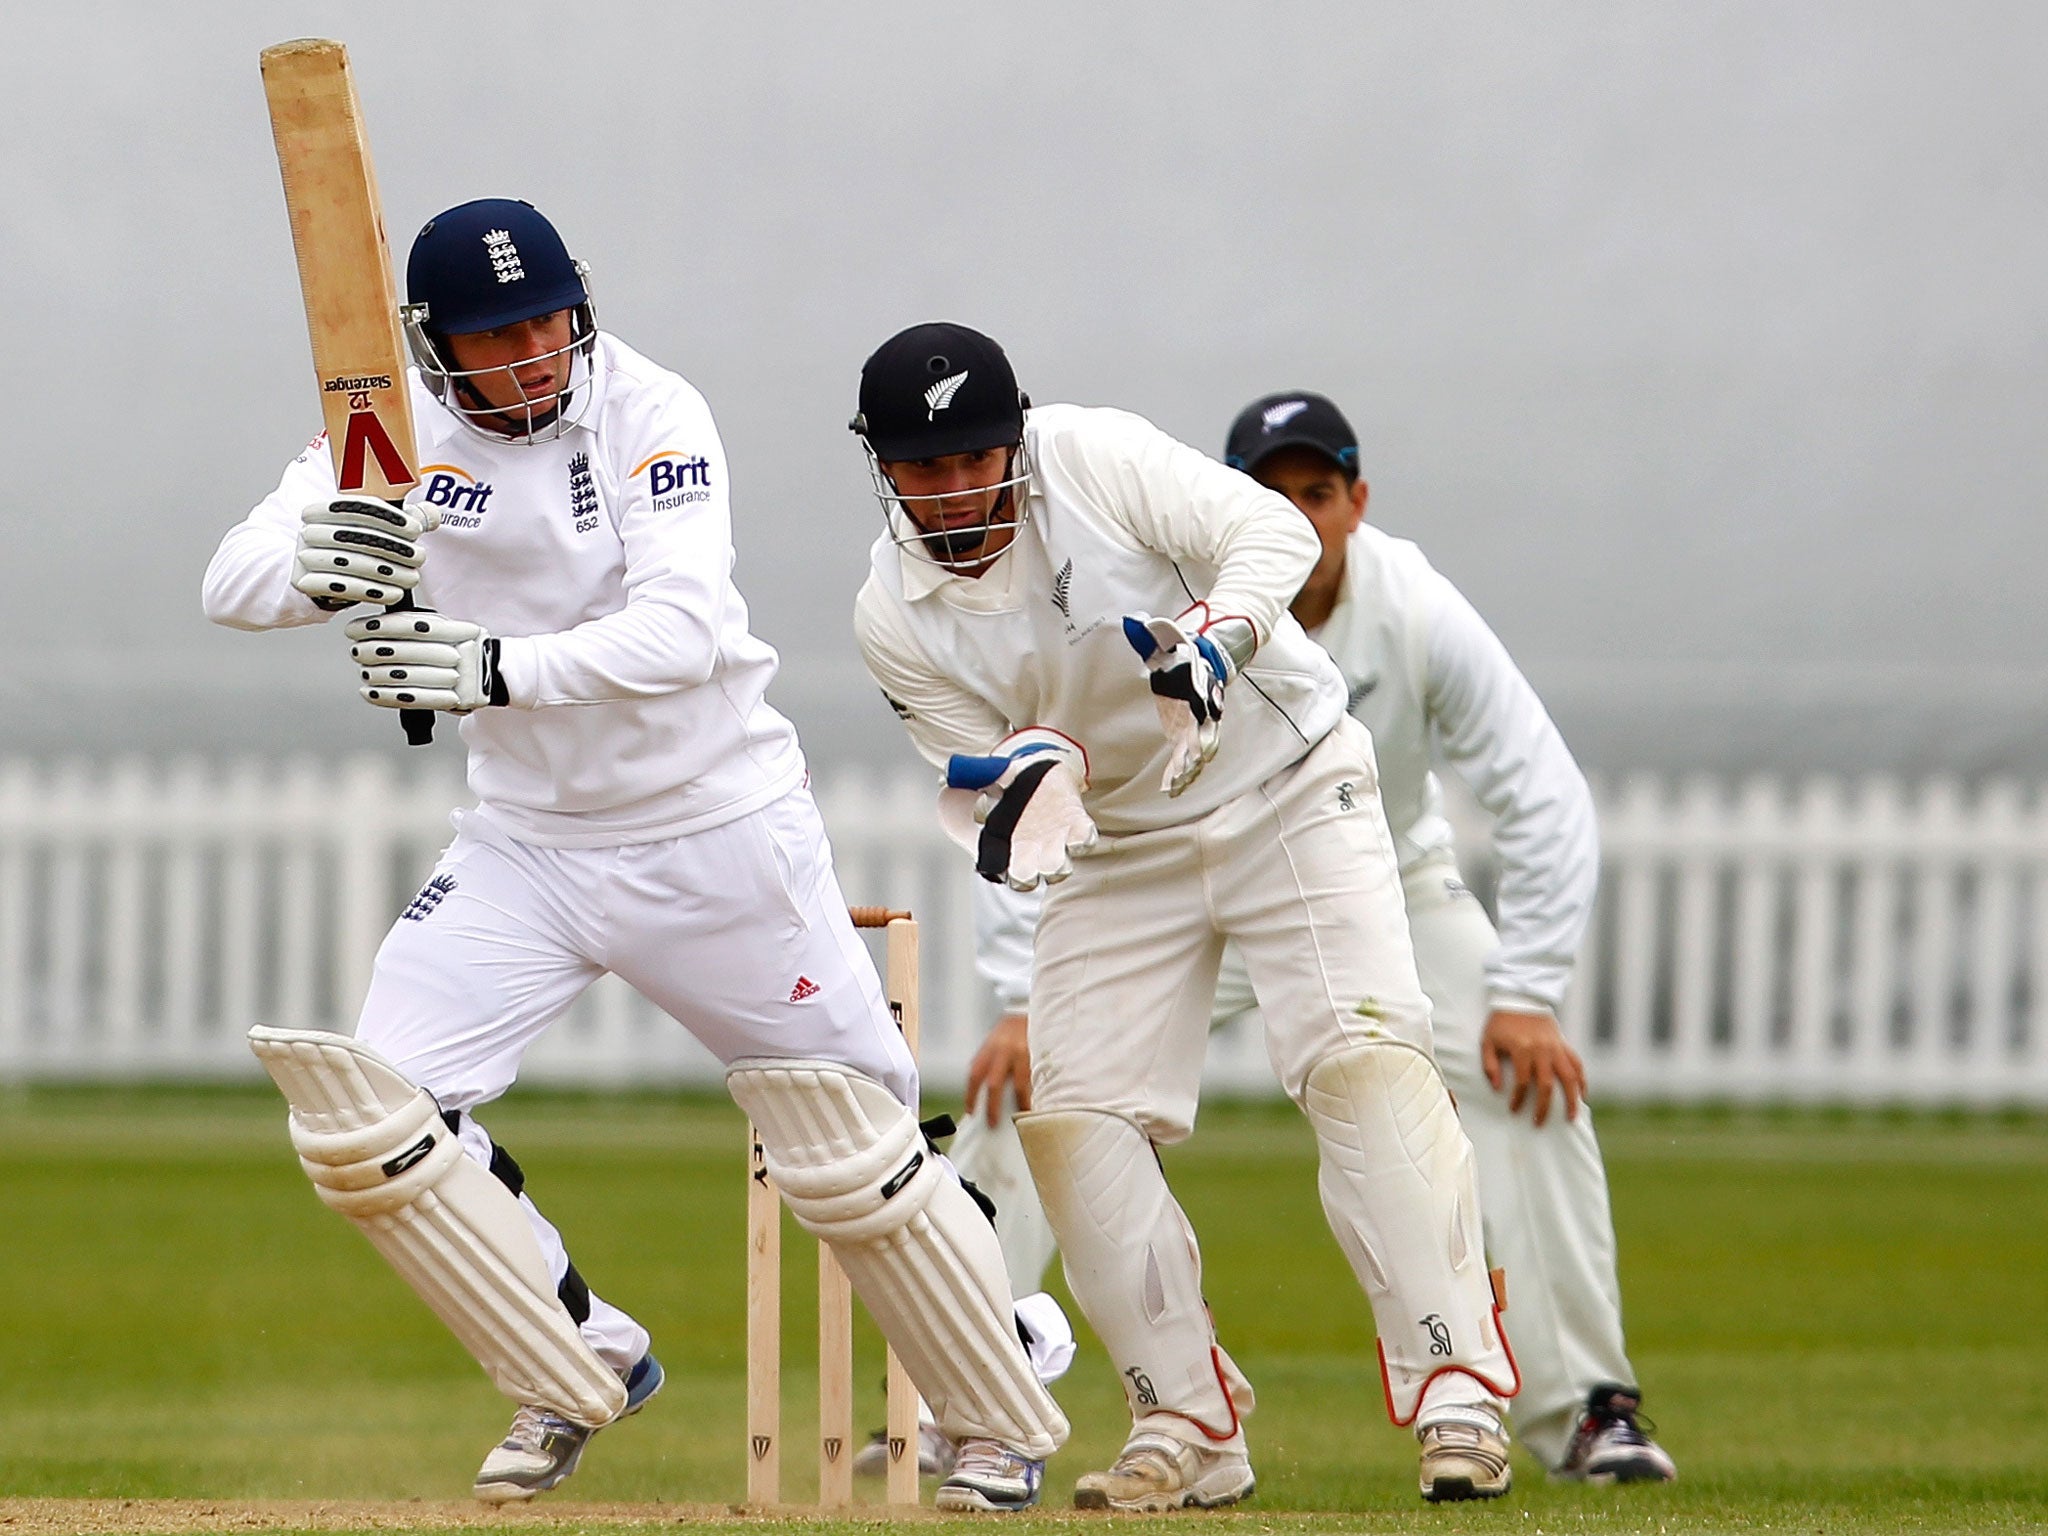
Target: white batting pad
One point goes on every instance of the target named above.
(855, 1172)
(1398, 1190)
(378, 1152)
(1133, 1266)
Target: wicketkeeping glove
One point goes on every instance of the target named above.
(1018, 810)
(421, 659)
(359, 549)
(1189, 673)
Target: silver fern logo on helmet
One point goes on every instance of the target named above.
(504, 256)
(941, 394)
(1277, 416)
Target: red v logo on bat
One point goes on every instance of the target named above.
(364, 435)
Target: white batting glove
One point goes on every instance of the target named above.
(420, 659)
(1018, 810)
(360, 549)
(1189, 673)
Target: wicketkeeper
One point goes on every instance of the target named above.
(1083, 623)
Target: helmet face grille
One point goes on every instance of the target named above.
(528, 421)
(959, 547)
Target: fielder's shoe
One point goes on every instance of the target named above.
(542, 1448)
(988, 1475)
(1612, 1443)
(935, 1454)
(1464, 1455)
(1157, 1473)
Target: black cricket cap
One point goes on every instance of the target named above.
(1295, 418)
(936, 389)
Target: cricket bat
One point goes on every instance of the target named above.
(351, 298)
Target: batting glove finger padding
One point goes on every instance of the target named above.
(359, 549)
(425, 660)
(1189, 673)
(1018, 810)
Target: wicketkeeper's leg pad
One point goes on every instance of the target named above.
(1132, 1264)
(856, 1172)
(377, 1150)
(1399, 1191)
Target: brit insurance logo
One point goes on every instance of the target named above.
(458, 493)
(675, 478)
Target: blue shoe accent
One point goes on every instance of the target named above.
(642, 1382)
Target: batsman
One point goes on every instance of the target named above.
(641, 810)
(1084, 624)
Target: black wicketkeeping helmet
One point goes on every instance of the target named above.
(937, 389)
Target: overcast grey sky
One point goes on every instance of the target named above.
(1704, 346)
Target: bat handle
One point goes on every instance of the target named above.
(418, 724)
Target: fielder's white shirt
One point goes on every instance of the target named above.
(602, 561)
(1123, 520)
(1420, 665)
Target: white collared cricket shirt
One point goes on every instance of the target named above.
(1123, 520)
(602, 561)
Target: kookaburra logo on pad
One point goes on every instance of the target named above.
(504, 255)
(941, 394)
(1277, 416)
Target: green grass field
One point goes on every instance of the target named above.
(1838, 1322)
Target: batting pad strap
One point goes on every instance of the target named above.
(854, 1170)
(846, 1153)
(378, 1151)
(1401, 1196)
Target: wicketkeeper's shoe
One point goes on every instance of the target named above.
(1464, 1454)
(1157, 1473)
(1612, 1443)
(935, 1454)
(988, 1475)
(542, 1448)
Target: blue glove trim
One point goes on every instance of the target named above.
(1213, 654)
(1141, 639)
(965, 772)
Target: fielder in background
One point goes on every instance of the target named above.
(642, 811)
(1084, 624)
(1422, 667)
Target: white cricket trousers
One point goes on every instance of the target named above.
(738, 932)
(1301, 874)
(1542, 1190)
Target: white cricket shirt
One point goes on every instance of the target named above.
(1123, 520)
(1420, 664)
(602, 561)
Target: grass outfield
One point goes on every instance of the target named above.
(1837, 1321)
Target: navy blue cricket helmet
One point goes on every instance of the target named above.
(485, 264)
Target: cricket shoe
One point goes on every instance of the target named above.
(1612, 1443)
(542, 1448)
(935, 1454)
(1157, 1473)
(1464, 1454)
(988, 1475)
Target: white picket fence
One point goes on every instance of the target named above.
(1815, 942)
